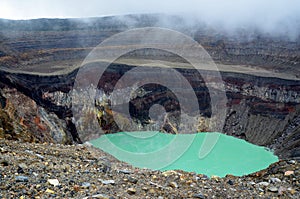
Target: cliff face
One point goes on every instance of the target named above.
(32, 116)
(22, 119)
(264, 111)
(36, 105)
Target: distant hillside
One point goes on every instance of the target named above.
(24, 40)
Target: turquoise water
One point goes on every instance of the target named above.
(159, 151)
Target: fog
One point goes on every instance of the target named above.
(270, 16)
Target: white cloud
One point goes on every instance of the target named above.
(270, 15)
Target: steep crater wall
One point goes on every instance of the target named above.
(263, 111)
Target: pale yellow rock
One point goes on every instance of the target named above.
(182, 177)
(168, 173)
(49, 191)
(152, 191)
(214, 177)
(174, 185)
(154, 177)
(131, 190)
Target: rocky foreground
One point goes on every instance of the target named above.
(30, 170)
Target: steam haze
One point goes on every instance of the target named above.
(270, 16)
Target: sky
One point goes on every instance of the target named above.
(272, 15)
(226, 9)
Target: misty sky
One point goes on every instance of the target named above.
(238, 9)
(267, 14)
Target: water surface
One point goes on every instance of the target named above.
(155, 150)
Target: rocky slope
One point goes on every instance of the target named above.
(30, 170)
(38, 65)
